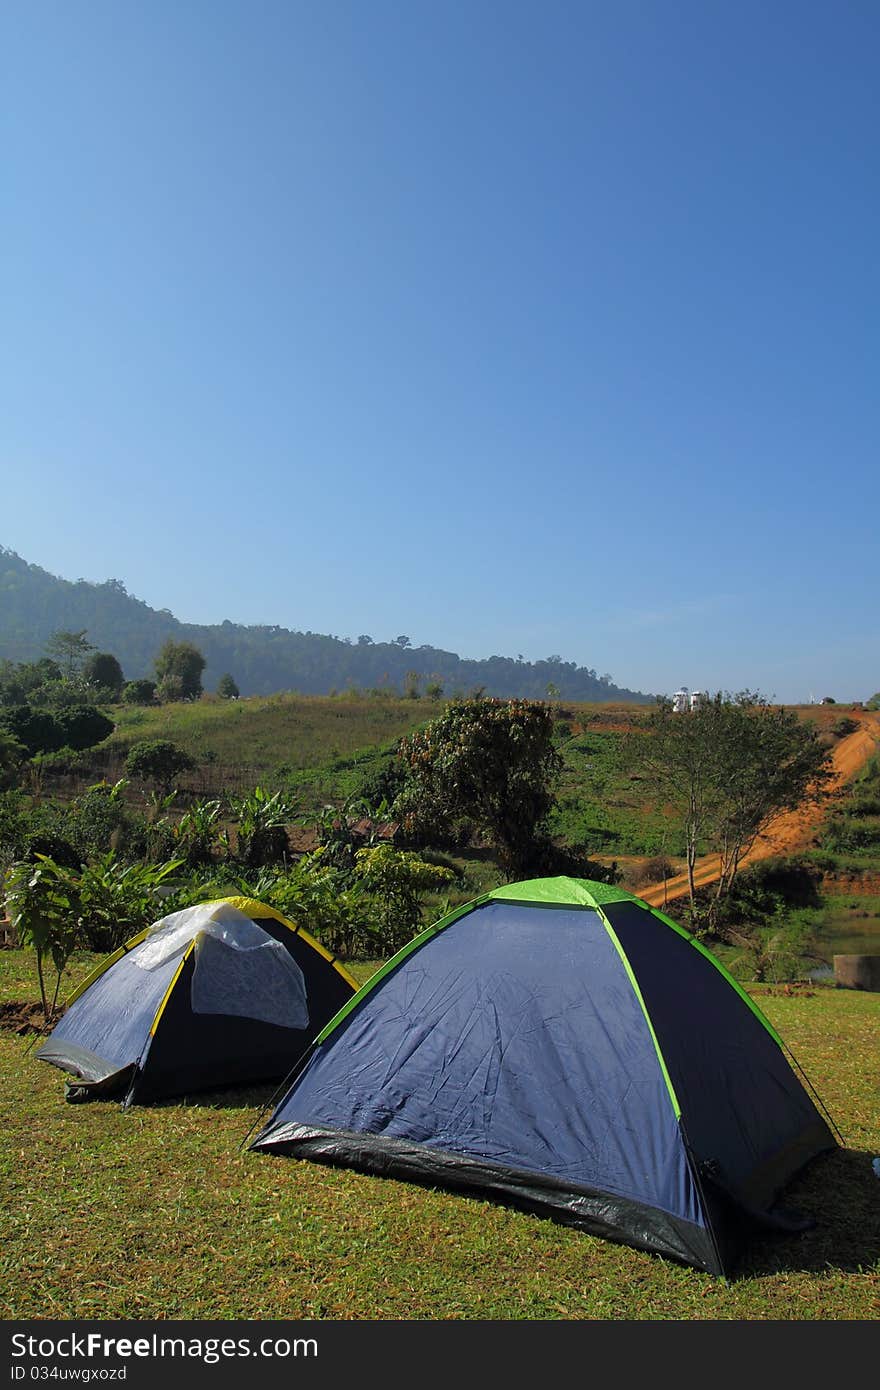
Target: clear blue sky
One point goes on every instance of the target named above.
(540, 328)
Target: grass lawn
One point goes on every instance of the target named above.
(159, 1212)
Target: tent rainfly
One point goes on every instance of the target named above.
(225, 993)
(559, 1045)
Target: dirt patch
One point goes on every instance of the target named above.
(862, 886)
(23, 1017)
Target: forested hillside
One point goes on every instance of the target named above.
(263, 659)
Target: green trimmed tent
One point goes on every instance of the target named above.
(225, 993)
(562, 1046)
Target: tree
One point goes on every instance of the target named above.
(43, 914)
(103, 672)
(70, 650)
(179, 668)
(40, 731)
(491, 762)
(227, 689)
(157, 760)
(727, 769)
(35, 729)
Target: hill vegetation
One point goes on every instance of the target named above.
(263, 659)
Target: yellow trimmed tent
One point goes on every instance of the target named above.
(225, 993)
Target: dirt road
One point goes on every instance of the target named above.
(789, 832)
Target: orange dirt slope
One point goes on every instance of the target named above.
(789, 832)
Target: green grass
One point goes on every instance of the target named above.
(322, 746)
(158, 1212)
(602, 804)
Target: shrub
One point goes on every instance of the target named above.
(39, 905)
(261, 823)
(655, 870)
(197, 834)
(140, 692)
(99, 820)
(326, 902)
(157, 760)
(398, 883)
(114, 900)
(844, 726)
(22, 824)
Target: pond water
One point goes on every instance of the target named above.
(847, 929)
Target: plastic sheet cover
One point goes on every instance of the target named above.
(239, 968)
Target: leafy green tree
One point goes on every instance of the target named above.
(103, 673)
(41, 909)
(179, 668)
(727, 769)
(69, 650)
(874, 702)
(23, 683)
(227, 688)
(488, 762)
(35, 729)
(157, 760)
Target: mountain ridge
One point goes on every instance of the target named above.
(263, 658)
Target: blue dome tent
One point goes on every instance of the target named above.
(224, 993)
(559, 1045)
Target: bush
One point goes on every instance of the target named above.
(114, 900)
(261, 822)
(655, 870)
(100, 821)
(157, 760)
(27, 830)
(39, 905)
(842, 835)
(844, 726)
(35, 729)
(141, 692)
(398, 882)
(326, 902)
